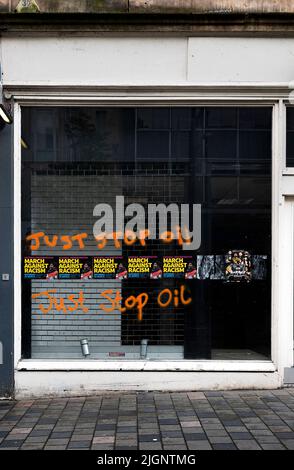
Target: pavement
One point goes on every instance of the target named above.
(222, 420)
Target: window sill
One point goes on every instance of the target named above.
(187, 365)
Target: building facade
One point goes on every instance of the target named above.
(147, 195)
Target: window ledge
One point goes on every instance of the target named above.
(145, 365)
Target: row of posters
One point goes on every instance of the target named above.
(235, 266)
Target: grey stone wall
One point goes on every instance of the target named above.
(147, 6)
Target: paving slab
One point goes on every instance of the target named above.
(210, 420)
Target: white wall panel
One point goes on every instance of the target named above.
(35, 384)
(146, 60)
(112, 60)
(240, 60)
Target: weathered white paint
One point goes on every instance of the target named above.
(277, 165)
(65, 383)
(240, 59)
(286, 262)
(151, 365)
(49, 370)
(173, 71)
(94, 60)
(287, 185)
(17, 231)
(145, 60)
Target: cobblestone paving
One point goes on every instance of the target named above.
(246, 420)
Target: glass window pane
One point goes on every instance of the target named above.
(290, 137)
(153, 118)
(221, 144)
(224, 118)
(153, 144)
(255, 144)
(255, 118)
(111, 168)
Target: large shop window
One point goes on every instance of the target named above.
(195, 291)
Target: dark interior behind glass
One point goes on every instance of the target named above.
(219, 157)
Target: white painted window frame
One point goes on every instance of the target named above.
(282, 293)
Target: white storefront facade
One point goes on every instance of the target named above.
(155, 71)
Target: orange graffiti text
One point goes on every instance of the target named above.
(115, 301)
